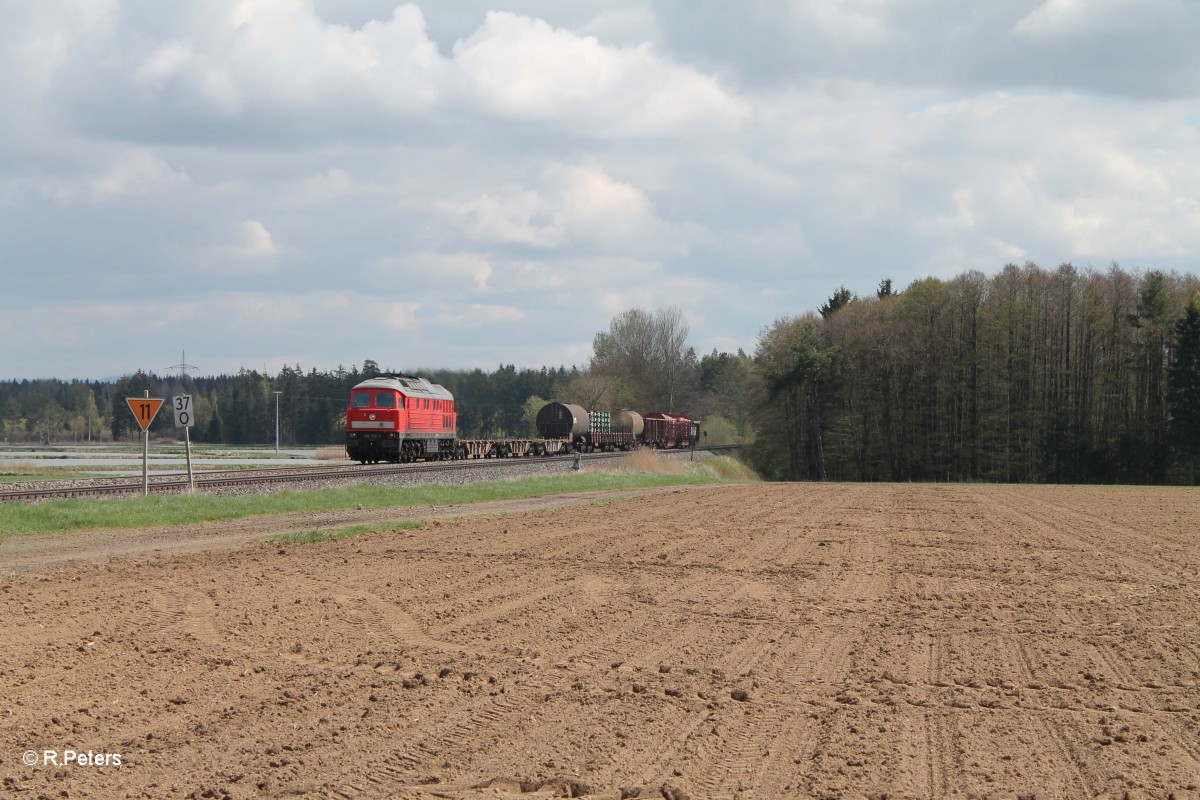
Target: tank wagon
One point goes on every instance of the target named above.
(400, 418)
(558, 420)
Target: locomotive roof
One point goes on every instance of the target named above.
(411, 387)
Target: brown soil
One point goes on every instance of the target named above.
(755, 641)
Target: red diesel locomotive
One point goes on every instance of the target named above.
(400, 419)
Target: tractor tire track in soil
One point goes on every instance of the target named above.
(748, 641)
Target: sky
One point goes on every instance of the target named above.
(461, 183)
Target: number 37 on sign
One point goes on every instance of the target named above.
(183, 411)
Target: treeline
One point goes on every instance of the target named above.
(240, 409)
(54, 411)
(1032, 375)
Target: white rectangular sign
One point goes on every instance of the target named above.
(184, 418)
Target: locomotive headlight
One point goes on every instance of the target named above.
(371, 417)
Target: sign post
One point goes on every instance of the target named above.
(144, 409)
(185, 419)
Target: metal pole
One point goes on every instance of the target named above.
(187, 439)
(146, 458)
(276, 421)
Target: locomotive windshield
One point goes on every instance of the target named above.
(362, 399)
(385, 400)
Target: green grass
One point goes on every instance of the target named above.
(30, 475)
(64, 516)
(333, 534)
(27, 470)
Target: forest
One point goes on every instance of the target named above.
(1031, 375)
(240, 409)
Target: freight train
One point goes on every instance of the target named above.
(402, 418)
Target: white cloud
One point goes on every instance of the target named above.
(125, 173)
(329, 185)
(570, 283)
(138, 172)
(243, 249)
(856, 22)
(573, 205)
(281, 49)
(527, 70)
(477, 315)
(425, 269)
(390, 316)
(163, 64)
(1054, 17)
(263, 68)
(546, 281)
(1093, 188)
(1115, 47)
(256, 241)
(1055, 21)
(513, 215)
(277, 70)
(622, 26)
(595, 206)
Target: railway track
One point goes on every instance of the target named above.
(227, 479)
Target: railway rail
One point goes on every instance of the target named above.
(225, 479)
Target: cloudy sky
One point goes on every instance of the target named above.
(467, 183)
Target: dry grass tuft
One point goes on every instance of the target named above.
(730, 469)
(331, 454)
(646, 460)
(20, 468)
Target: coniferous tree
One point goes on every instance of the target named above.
(1185, 387)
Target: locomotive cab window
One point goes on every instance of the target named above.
(385, 400)
(362, 400)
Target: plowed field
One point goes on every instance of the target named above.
(757, 641)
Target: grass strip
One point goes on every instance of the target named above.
(64, 516)
(29, 476)
(334, 534)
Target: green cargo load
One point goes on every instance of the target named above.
(601, 421)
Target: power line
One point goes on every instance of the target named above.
(183, 367)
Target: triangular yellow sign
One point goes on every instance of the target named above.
(144, 409)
